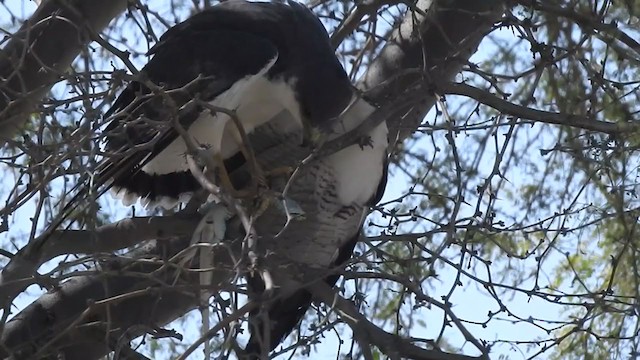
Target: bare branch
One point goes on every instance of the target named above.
(142, 292)
(438, 43)
(547, 117)
(21, 270)
(41, 50)
(447, 45)
(393, 346)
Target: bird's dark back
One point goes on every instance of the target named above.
(302, 42)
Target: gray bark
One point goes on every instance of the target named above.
(438, 43)
(43, 48)
(448, 35)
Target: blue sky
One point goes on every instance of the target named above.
(469, 302)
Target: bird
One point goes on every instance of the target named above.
(257, 59)
(272, 66)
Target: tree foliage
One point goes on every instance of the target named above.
(509, 225)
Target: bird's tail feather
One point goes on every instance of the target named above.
(286, 313)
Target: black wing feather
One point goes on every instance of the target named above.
(218, 58)
(215, 56)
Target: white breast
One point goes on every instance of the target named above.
(358, 170)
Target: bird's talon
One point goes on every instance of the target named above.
(365, 141)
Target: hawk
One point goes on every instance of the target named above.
(273, 66)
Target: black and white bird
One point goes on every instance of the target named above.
(273, 64)
(258, 59)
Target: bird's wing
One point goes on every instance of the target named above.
(189, 63)
(190, 60)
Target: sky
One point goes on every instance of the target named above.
(470, 303)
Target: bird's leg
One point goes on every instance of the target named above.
(260, 179)
(286, 205)
(280, 176)
(210, 230)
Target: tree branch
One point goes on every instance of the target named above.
(587, 21)
(20, 272)
(439, 42)
(150, 292)
(523, 112)
(448, 35)
(41, 50)
(393, 346)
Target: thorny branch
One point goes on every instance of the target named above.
(491, 204)
(392, 345)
